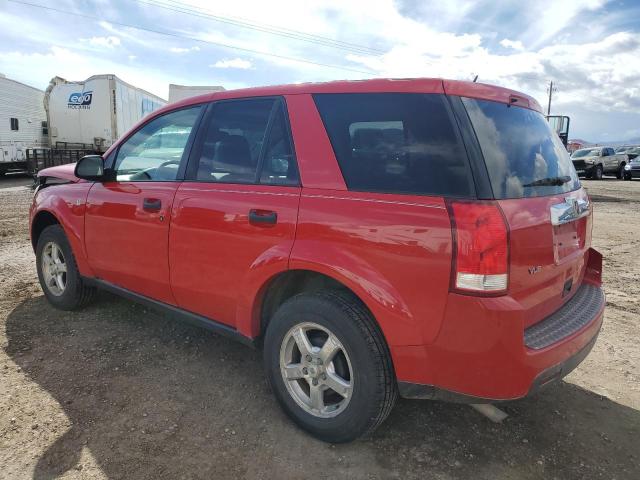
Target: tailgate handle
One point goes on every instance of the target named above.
(569, 210)
(151, 204)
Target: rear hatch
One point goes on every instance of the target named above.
(547, 211)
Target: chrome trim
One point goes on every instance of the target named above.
(568, 211)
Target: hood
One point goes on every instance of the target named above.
(64, 172)
(590, 157)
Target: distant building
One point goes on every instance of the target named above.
(23, 123)
(574, 145)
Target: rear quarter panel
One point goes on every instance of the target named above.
(393, 251)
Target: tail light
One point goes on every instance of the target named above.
(481, 248)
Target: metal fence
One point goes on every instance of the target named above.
(39, 158)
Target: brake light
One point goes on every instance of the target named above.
(480, 246)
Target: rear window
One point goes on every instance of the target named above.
(524, 156)
(396, 143)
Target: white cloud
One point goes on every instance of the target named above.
(515, 44)
(238, 63)
(184, 50)
(107, 42)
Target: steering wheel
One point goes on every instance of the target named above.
(170, 162)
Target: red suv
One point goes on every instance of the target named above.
(425, 237)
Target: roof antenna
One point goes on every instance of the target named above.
(475, 78)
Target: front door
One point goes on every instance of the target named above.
(127, 220)
(234, 216)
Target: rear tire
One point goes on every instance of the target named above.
(58, 273)
(362, 364)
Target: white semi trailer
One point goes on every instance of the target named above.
(180, 92)
(22, 123)
(96, 111)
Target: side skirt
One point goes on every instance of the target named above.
(174, 312)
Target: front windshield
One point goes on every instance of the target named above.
(587, 152)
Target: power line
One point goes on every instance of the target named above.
(194, 39)
(180, 7)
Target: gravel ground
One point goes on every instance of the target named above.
(117, 391)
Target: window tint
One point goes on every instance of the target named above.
(155, 151)
(234, 140)
(279, 164)
(396, 143)
(524, 156)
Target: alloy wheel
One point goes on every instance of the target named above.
(54, 268)
(316, 370)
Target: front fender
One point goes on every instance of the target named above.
(67, 203)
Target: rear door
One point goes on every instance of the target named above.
(127, 219)
(234, 217)
(547, 211)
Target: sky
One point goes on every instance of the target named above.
(590, 49)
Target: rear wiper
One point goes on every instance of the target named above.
(549, 182)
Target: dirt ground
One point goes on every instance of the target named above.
(116, 391)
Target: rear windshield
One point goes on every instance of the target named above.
(396, 143)
(524, 156)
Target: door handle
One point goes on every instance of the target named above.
(263, 217)
(151, 204)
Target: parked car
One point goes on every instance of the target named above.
(596, 161)
(631, 151)
(632, 169)
(422, 238)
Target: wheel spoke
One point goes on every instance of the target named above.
(302, 341)
(60, 281)
(329, 349)
(338, 384)
(316, 394)
(62, 267)
(293, 371)
(55, 255)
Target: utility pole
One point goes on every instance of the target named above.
(550, 94)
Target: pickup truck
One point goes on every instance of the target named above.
(594, 162)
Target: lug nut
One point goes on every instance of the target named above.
(315, 381)
(305, 371)
(324, 376)
(308, 358)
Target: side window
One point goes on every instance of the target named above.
(155, 151)
(234, 140)
(14, 124)
(396, 143)
(279, 163)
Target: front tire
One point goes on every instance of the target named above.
(58, 273)
(329, 366)
(597, 173)
(620, 172)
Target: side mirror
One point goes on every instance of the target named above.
(90, 167)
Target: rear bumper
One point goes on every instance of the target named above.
(484, 353)
(545, 378)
